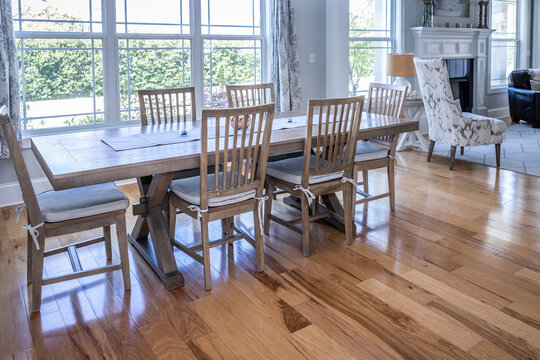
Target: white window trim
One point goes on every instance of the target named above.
(111, 81)
(503, 88)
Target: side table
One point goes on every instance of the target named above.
(413, 109)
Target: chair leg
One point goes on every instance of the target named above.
(37, 271)
(462, 150)
(224, 227)
(29, 246)
(365, 180)
(268, 208)
(430, 151)
(107, 236)
(452, 157)
(206, 254)
(259, 243)
(305, 225)
(498, 154)
(391, 185)
(230, 232)
(121, 234)
(348, 214)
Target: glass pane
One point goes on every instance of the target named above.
(369, 18)
(503, 61)
(61, 82)
(367, 63)
(232, 17)
(142, 16)
(504, 19)
(57, 15)
(151, 64)
(229, 62)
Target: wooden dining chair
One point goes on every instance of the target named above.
(167, 105)
(249, 95)
(387, 100)
(233, 189)
(325, 168)
(56, 213)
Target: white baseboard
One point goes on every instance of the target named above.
(499, 112)
(10, 193)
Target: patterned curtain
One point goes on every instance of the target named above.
(285, 64)
(9, 73)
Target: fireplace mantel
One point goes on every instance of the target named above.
(458, 43)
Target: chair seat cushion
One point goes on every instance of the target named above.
(290, 170)
(189, 189)
(366, 151)
(81, 202)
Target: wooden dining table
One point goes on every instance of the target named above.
(84, 158)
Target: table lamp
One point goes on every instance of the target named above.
(400, 66)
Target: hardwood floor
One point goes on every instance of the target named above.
(454, 273)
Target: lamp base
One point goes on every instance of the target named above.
(402, 82)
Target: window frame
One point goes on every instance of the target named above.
(515, 40)
(392, 39)
(111, 62)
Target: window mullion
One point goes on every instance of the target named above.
(111, 84)
(197, 53)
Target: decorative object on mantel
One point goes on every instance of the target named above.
(427, 18)
(452, 8)
(400, 66)
(483, 14)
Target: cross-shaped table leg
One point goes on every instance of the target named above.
(150, 235)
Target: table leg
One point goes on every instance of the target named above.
(421, 140)
(402, 138)
(150, 235)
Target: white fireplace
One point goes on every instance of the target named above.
(458, 43)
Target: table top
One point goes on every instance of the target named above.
(82, 158)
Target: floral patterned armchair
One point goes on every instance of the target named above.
(447, 124)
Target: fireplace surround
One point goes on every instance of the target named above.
(470, 45)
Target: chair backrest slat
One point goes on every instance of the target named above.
(242, 153)
(159, 101)
(249, 95)
(386, 99)
(29, 196)
(337, 128)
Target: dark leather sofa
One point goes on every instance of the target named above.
(524, 103)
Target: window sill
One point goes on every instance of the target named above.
(497, 90)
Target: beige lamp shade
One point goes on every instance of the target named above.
(400, 65)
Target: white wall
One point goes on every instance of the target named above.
(337, 48)
(311, 39)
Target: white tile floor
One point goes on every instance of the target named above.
(520, 151)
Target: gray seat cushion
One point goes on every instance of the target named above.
(290, 170)
(366, 151)
(189, 189)
(81, 202)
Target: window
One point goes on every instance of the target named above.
(232, 46)
(60, 50)
(154, 49)
(504, 41)
(370, 40)
(82, 61)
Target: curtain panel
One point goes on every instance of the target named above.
(9, 74)
(285, 63)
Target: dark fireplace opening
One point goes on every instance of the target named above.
(460, 72)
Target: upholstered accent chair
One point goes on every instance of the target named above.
(447, 124)
(524, 96)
